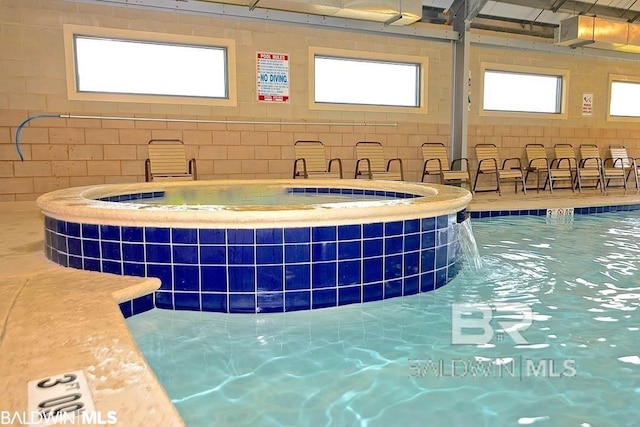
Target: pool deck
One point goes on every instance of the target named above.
(55, 319)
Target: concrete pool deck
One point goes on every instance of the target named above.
(55, 319)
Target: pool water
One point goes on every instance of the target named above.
(395, 362)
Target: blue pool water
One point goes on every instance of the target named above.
(394, 362)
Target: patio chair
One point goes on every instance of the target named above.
(436, 162)
(371, 163)
(167, 161)
(590, 166)
(489, 164)
(619, 160)
(311, 161)
(538, 162)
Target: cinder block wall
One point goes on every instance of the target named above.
(72, 152)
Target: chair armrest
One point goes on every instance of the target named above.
(546, 162)
(597, 159)
(557, 162)
(147, 170)
(368, 162)
(460, 160)
(516, 159)
(426, 162)
(304, 167)
(192, 168)
(493, 160)
(399, 160)
(339, 162)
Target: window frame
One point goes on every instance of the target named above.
(505, 68)
(622, 78)
(422, 95)
(73, 93)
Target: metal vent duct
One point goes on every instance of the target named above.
(391, 12)
(600, 33)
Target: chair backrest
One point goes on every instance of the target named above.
(374, 152)
(485, 152)
(565, 151)
(167, 156)
(620, 157)
(313, 154)
(536, 156)
(435, 150)
(590, 152)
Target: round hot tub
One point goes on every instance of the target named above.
(250, 246)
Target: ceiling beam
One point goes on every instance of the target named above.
(575, 7)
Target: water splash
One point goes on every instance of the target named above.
(468, 247)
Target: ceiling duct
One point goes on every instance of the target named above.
(389, 12)
(599, 33)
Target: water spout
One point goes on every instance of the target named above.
(467, 246)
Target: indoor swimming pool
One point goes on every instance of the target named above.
(572, 289)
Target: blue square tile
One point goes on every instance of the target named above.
(428, 240)
(74, 246)
(92, 264)
(242, 279)
(349, 232)
(214, 302)
(185, 254)
(269, 236)
(298, 276)
(372, 248)
(164, 300)
(142, 304)
(49, 223)
(90, 231)
(411, 226)
(297, 235)
(375, 229)
(349, 250)
(270, 278)
(60, 226)
(324, 274)
(133, 269)
(213, 278)
(271, 302)
(186, 278)
(297, 301)
(162, 272)
(427, 281)
(323, 190)
(392, 288)
(126, 309)
(349, 272)
(47, 238)
(76, 262)
(323, 234)
(240, 255)
(411, 242)
(452, 271)
(441, 257)
(160, 254)
(110, 232)
(91, 248)
(442, 221)
(240, 236)
(133, 252)
(324, 298)
(184, 235)
(411, 285)
(242, 303)
(112, 267)
(213, 255)
(392, 266)
(372, 292)
(111, 250)
(393, 228)
(393, 245)
(428, 224)
(157, 235)
(441, 278)
(297, 253)
(73, 229)
(427, 260)
(411, 263)
(186, 301)
(132, 234)
(63, 260)
(60, 242)
(323, 251)
(211, 236)
(271, 254)
(349, 295)
(372, 270)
